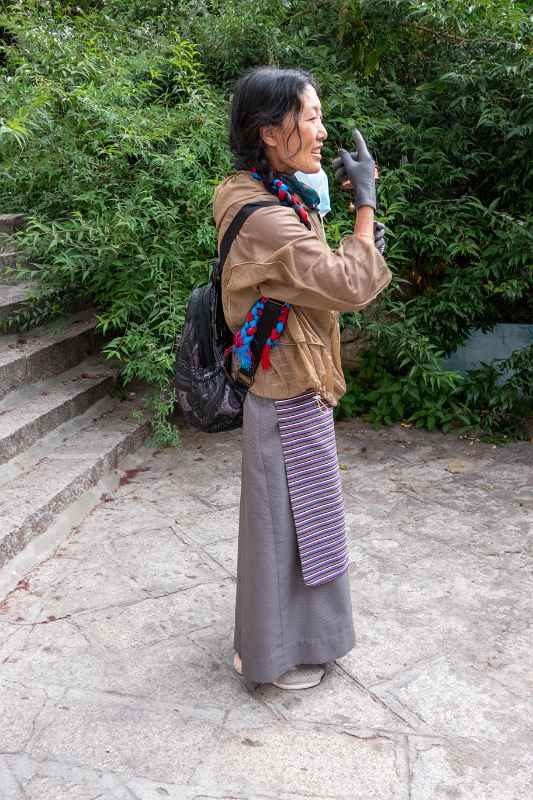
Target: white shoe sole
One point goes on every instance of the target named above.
(303, 684)
(297, 686)
(286, 687)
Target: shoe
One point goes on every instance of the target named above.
(304, 676)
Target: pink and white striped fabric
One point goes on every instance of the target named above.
(310, 455)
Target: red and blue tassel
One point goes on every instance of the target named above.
(287, 197)
(243, 338)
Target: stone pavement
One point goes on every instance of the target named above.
(115, 644)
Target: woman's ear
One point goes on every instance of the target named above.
(267, 136)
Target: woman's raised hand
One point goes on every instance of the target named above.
(360, 170)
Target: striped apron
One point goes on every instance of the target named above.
(310, 454)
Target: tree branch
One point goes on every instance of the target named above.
(460, 39)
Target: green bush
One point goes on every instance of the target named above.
(113, 136)
(124, 144)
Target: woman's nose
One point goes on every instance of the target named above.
(322, 132)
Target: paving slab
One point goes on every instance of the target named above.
(312, 761)
(22, 776)
(124, 734)
(444, 770)
(340, 702)
(457, 699)
(116, 645)
(20, 707)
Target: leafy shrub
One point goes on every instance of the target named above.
(113, 136)
(117, 181)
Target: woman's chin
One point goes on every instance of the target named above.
(307, 167)
(313, 166)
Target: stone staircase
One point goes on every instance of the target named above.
(12, 294)
(9, 223)
(61, 429)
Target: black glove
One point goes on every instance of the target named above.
(359, 169)
(379, 237)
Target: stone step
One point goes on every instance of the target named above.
(9, 223)
(8, 259)
(8, 253)
(35, 409)
(46, 351)
(71, 460)
(12, 298)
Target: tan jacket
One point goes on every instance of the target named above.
(275, 255)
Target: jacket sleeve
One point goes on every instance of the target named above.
(288, 262)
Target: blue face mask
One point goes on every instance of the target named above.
(319, 182)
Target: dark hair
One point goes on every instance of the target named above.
(263, 96)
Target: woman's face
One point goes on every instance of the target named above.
(290, 148)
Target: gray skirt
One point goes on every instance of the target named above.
(279, 621)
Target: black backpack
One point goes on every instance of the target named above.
(209, 398)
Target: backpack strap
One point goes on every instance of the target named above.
(232, 231)
(272, 307)
(264, 329)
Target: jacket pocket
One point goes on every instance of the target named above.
(300, 330)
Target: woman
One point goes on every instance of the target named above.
(293, 609)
